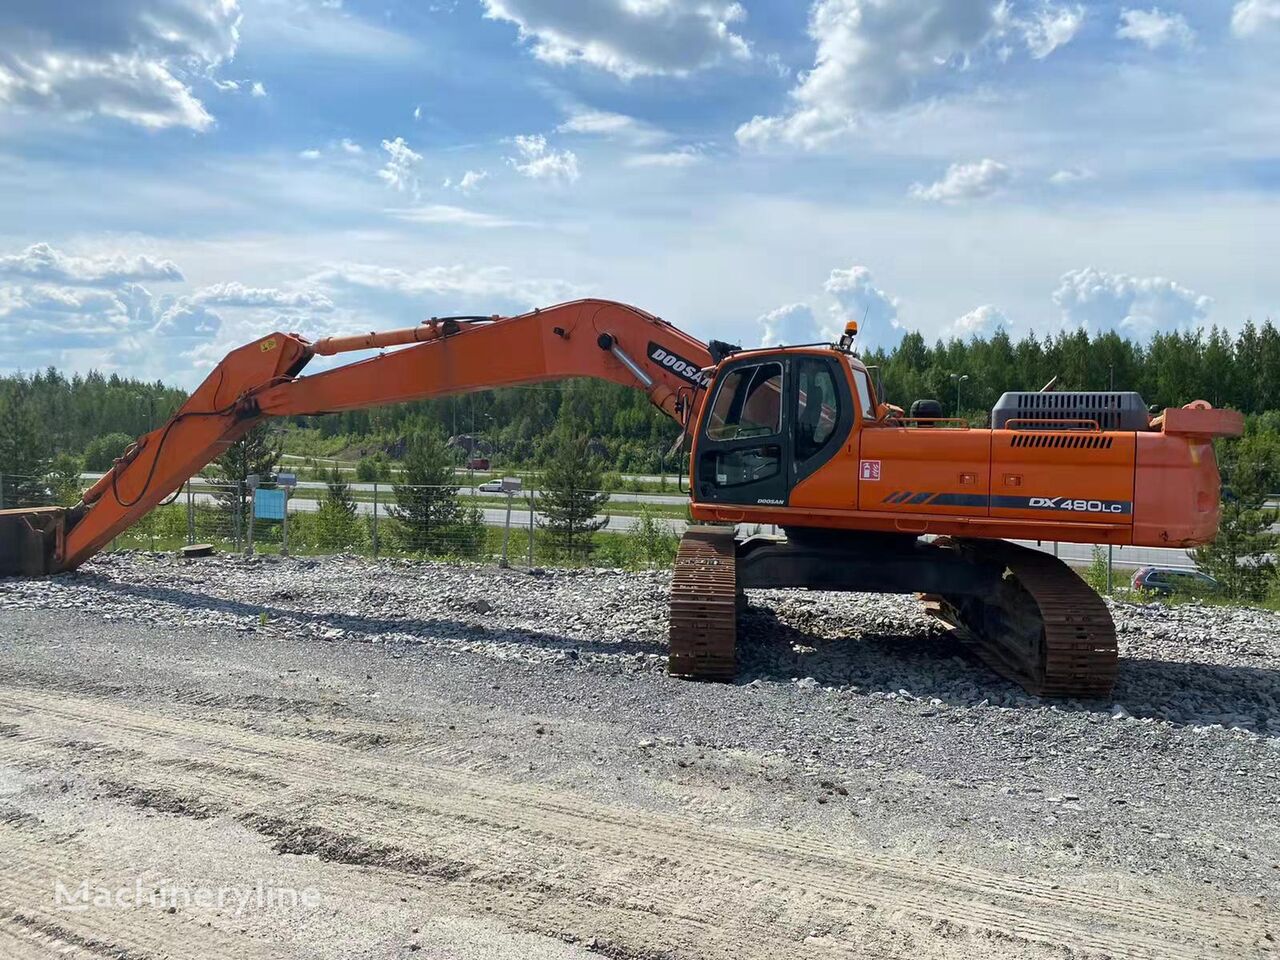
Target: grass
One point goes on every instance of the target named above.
(165, 530)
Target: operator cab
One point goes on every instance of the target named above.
(775, 417)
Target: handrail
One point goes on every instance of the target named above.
(956, 423)
(1054, 424)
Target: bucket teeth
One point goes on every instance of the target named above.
(1046, 629)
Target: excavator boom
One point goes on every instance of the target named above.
(587, 338)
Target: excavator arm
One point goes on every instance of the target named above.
(585, 338)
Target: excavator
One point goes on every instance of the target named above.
(792, 438)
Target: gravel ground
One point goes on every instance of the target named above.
(854, 716)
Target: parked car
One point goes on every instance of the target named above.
(1166, 581)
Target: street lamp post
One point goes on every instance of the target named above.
(958, 379)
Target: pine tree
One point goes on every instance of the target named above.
(571, 499)
(427, 509)
(24, 458)
(257, 452)
(1241, 556)
(337, 526)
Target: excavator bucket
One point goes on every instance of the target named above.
(29, 540)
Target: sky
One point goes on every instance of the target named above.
(178, 177)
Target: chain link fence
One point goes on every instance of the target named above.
(382, 519)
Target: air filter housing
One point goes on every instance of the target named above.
(1109, 409)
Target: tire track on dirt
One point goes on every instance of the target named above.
(539, 841)
(33, 924)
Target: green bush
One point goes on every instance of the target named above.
(102, 452)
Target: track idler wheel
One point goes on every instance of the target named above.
(704, 606)
(1042, 627)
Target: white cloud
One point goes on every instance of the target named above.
(878, 56)
(400, 171)
(400, 296)
(128, 59)
(980, 322)
(539, 162)
(1134, 306)
(235, 294)
(45, 310)
(966, 181)
(1252, 17)
(858, 298)
(258, 90)
(186, 318)
(618, 126)
(1070, 175)
(469, 183)
(1155, 29)
(792, 324)
(42, 263)
(394, 148)
(872, 55)
(847, 295)
(1051, 28)
(628, 38)
(458, 216)
(687, 156)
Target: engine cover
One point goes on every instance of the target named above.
(1111, 410)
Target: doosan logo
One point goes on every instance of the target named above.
(678, 365)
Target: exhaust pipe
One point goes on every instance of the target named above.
(31, 541)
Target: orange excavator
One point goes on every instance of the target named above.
(794, 437)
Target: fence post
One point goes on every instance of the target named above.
(533, 494)
(375, 520)
(191, 516)
(506, 530)
(236, 519)
(284, 527)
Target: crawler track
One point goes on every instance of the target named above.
(1046, 629)
(704, 606)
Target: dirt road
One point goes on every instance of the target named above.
(369, 800)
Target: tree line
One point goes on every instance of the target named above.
(52, 426)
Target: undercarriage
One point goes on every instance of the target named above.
(1023, 613)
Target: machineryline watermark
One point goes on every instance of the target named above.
(169, 894)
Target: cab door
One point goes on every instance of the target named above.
(824, 449)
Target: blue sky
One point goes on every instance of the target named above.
(180, 176)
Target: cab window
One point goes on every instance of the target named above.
(817, 408)
(748, 403)
(865, 397)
